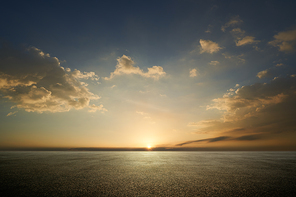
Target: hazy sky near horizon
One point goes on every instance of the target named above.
(138, 73)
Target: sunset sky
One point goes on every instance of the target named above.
(165, 73)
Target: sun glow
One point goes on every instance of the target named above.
(148, 146)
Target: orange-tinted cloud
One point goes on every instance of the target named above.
(125, 65)
(35, 81)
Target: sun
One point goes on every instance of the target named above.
(148, 146)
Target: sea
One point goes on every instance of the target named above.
(147, 173)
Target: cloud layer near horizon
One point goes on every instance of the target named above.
(258, 109)
(36, 82)
(223, 138)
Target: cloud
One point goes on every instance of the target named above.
(285, 40)
(202, 123)
(241, 39)
(280, 64)
(258, 108)
(223, 138)
(209, 29)
(240, 107)
(193, 72)
(146, 117)
(36, 82)
(248, 138)
(246, 40)
(238, 31)
(190, 142)
(86, 75)
(262, 111)
(140, 112)
(94, 108)
(208, 46)
(11, 113)
(264, 73)
(125, 65)
(214, 63)
(233, 21)
(270, 72)
(217, 139)
(237, 58)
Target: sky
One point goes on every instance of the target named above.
(165, 73)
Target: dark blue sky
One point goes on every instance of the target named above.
(77, 31)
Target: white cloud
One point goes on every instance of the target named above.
(214, 63)
(208, 46)
(246, 40)
(193, 72)
(233, 21)
(285, 40)
(36, 82)
(125, 65)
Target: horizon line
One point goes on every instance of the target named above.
(267, 148)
